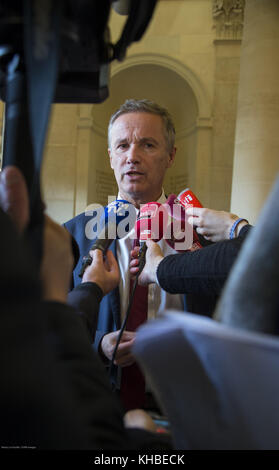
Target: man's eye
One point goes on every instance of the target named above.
(122, 146)
(148, 145)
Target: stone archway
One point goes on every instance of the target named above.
(175, 87)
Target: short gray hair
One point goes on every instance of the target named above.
(146, 106)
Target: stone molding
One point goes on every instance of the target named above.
(203, 100)
(228, 17)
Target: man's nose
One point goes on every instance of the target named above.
(133, 154)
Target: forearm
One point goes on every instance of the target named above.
(199, 272)
(84, 372)
(85, 298)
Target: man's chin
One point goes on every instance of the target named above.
(134, 190)
(134, 193)
(138, 198)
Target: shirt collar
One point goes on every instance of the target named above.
(161, 199)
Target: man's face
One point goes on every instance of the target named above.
(139, 156)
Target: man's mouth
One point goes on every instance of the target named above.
(132, 173)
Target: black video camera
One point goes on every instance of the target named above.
(85, 49)
(55, 51)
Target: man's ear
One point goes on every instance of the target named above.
(171, 157)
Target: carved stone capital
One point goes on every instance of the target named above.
(228, 17)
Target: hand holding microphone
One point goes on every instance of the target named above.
(102, 271)
(176, 231)
(213, 225)
(154, 256)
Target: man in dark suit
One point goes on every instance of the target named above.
(141, 139)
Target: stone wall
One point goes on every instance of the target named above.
(188, 61)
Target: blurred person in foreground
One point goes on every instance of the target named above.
(54, 393)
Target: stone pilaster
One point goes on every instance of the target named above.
(256, 161)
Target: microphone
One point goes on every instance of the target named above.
(188, 199)
(117, 221)
(150, 225)
(181, 236)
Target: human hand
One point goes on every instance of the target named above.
(105, 273)
(123, 356)
(153, 257)
(139, 419)
(213, 225)
(57, 263)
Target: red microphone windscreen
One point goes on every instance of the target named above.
(187, 198)
(179, 234)
(152, 221)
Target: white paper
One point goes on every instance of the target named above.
(219, 386)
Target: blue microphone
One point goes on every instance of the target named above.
(117, 221)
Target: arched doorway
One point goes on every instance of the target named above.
(175, 87)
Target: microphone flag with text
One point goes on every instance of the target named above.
(180, 235)
(150, 225)
(187, 198)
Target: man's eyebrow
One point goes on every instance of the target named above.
(120, 141)
(148, 139)
(143, 140)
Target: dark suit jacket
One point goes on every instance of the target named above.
(109, 311)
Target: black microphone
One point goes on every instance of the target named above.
(117, 221)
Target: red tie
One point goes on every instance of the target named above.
(132, 390)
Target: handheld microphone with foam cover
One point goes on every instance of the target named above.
(188, 199)
(150, 225)
(180, 235)
(117, 221)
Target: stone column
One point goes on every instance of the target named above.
(256, 157)
(227, 52)
(201, 182)
(228, 19)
